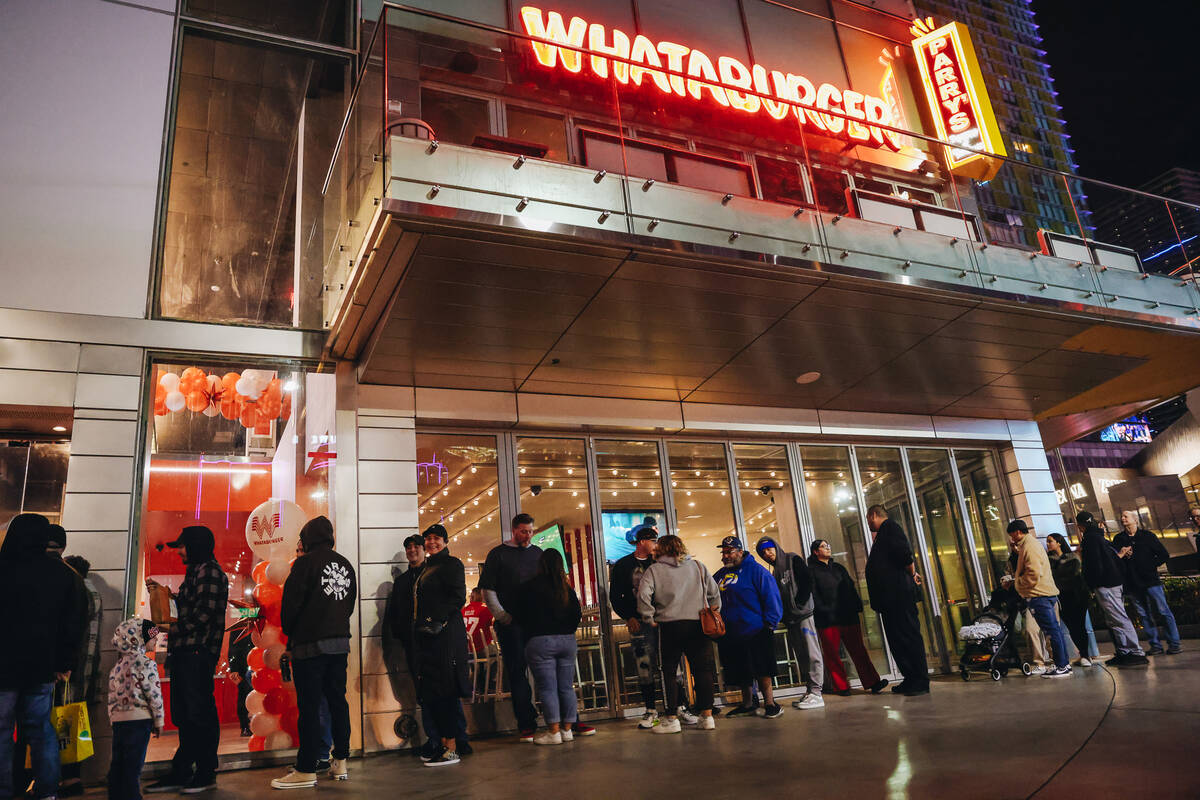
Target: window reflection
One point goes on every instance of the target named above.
(765, 489)
(985, 506)
(703, 508)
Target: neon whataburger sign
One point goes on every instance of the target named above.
(777, 94)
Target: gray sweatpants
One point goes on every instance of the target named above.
(1112, 603)
(802, 638)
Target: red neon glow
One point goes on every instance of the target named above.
(783, 93)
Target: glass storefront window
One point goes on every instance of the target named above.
(247, 453)
(985, 506)
(699, 477)
(882, 474)
(315, 20)
(254, 128)
(33, 476)
(457, 487)
(539, 127)
(829, 484)
(455, 118)
(768, 503)
(552, 477)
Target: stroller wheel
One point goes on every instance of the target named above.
(966, 674)
(1027, 668)
(995, 674)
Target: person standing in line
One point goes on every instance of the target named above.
(1143, 553)
(548, 611)
(478, 619)
(1194, 516)
(507, 566)
(193, 648)
(794, 582)
(318, 599)
(672, 593)
(86, 673)
(439, 637)
(43, 609)
(751, 608)
(239, 675)
(836, 609)
(1072, 592)
(893, 583)
(135, 706)
(1029, 627)
(1103, 574)
(1035, 584)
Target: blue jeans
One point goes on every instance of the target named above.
(129, 743)
(1145, 603)
(1093, 649)
(29, 709)
(1044, 610)
(552, 662)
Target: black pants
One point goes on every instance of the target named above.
(686, 638)
(244, 689)
(512, 652)
(1074, 616)
(903, 631)
(129, 742)
(444, 712)
(194, 712)
(320, 677)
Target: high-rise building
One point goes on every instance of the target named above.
(1165, 235)
(1014, 205)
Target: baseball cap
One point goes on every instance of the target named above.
(645, 530)
(730, 541)
(1084, 518)
(436, 530)
(1018, 525)
(414, 539)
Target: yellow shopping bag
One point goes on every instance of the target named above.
(74, 730)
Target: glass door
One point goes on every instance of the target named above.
(986, 511)
(553, 485)
(949, 551)
(881, 475)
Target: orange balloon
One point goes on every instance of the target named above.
(257, 744)
(268, 595)
(197, 401)
(249, 416)
(230, 402)
(286, 411)
(193, 379)
(254, 659)
(259, 573)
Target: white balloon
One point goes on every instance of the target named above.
(274, 526)
(279, 740)
(169, 381)
(254, 702)
(211, 411)
(176, 401)
(272, 636)
(264, 724)
(214, 383)
(272, 656)
(246, 388)
(278, 570)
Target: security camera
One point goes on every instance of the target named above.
(764, 490)
(536, 489)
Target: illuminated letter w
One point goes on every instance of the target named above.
(554, 31)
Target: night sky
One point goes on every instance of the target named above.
(1127, 79)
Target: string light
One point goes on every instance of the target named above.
(570, 471)
(474, 470)
(522, 470)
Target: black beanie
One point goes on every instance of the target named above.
(436, 530)
(1085, 518)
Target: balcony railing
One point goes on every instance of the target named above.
(459, 115)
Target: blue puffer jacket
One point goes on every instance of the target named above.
(749, 598)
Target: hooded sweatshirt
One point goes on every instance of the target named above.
(134, 691)
(318, 596)
(793, 579)
(749, 598)
(43, 608)
(835, 598)
(673, 590)
(1101, 567)
(202, 597)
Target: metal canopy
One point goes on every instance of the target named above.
(451, 303)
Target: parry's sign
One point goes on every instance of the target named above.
(958, 98)
(676, 69)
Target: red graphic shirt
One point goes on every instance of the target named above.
(478, 619)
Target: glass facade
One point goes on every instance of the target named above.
(33, 476)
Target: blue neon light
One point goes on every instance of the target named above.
(1169, 249)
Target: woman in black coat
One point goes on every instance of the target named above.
(1073, 594)
(440, 661)
(836, 606)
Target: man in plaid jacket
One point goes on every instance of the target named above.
(193, 648)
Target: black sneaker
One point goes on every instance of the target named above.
(1132, 660)
(200, 784)
(430, 750)
(247, 733)
(741, 711)
(844, 693)
(464, 748)
(445, 758)
(322, 765)
(879, 687)
(1156, 650)
(916, 691)
(168, 784)
(773, 712)
(901, 687)
(1175, 649)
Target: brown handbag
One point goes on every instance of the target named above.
(711, 621)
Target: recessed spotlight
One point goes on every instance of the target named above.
(215, 288)
(59, 429)
(570, 471)
(522, 470)
(808, 377)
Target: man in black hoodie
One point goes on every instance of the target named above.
(44, 616)
(795, 591)
(892, 582)
(193, 648)
(318, 599)
(1103, 574)
(1143, 553)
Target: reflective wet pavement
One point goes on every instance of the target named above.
(965, 740)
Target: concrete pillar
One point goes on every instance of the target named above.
(1027, 473)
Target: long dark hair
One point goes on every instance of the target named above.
(551, 565)
(1062, 542)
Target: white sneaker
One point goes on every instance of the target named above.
(810, 700)
(649, 720)
(668, 726)
(1038, 669)
(708, 723)
(295, 780)
(1058, 672)
(686, 717)
(1084, 661)
(546, 737)
(567, 736)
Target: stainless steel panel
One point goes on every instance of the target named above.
(41, 356)
(109, 360)
(108, 391)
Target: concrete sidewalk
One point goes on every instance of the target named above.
(973, 740)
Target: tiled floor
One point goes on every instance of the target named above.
(971, 740)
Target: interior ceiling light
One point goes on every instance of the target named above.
(59, 428)
(808, 377)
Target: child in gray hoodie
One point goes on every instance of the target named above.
(135, 707)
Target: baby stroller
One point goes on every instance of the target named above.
(991, 647)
